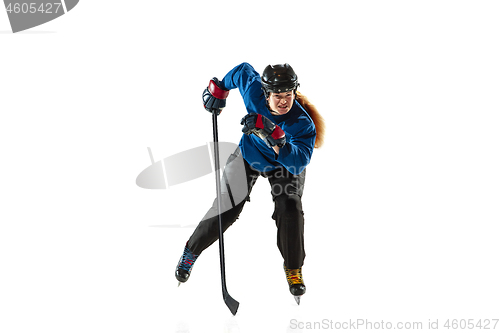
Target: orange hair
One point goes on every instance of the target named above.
(318, 120)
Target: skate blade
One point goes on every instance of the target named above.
(297, 299)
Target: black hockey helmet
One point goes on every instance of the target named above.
(278, 79)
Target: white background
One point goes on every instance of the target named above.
(401, 203)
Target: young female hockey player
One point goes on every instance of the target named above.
(279, 139)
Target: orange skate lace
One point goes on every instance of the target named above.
(294, 276)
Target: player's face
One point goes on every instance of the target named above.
(281, 103)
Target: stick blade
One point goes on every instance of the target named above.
(231, 303)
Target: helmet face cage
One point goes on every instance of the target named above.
(278, 79)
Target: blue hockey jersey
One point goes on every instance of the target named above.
(298, 126)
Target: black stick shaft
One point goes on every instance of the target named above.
(217, 185)
(231, 303)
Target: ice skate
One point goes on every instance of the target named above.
(295, 282)
(185, 265)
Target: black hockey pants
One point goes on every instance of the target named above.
(236, 185)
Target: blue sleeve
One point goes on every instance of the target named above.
(241, 77)
(247, 80)
(296, 154)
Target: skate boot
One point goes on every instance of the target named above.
(185, 265)
(295, 282)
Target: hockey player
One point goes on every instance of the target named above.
(278, 142)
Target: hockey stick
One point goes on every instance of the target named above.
(231, 303)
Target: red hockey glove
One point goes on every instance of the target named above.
(214, 97)
(264, 128)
